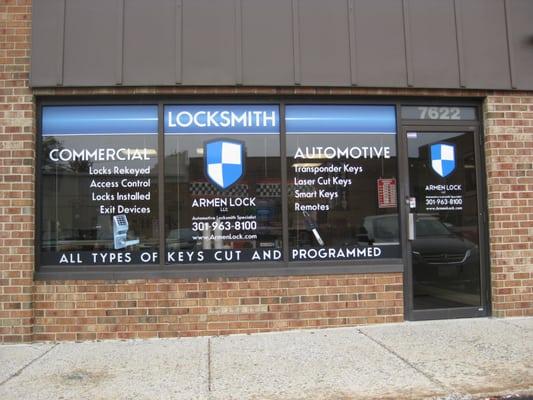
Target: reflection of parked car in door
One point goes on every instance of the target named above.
(438, 253)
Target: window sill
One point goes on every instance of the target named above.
(52, 273)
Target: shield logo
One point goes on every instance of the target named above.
(223, 165)
(443, 158)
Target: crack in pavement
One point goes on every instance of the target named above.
(19, 371)
(209, 364)
(431, 378)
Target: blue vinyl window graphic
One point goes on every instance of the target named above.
(99, 120)
(339, 119)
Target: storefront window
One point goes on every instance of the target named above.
(342, 171)
(99, 185)
(222, 184)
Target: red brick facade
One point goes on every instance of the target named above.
(81, 310)
(88, 310)
(509, 164)
(17, 161)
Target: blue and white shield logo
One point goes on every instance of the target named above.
(443, 158)
(223, 162)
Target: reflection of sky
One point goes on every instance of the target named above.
(423, 139)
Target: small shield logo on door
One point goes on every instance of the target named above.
(443, 158)
(224, 162)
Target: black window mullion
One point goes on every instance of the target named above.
(161, 182)
(284, 185)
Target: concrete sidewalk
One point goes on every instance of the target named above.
(455, 359)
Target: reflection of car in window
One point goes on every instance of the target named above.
(380, 229)
(438, 253)
(180, 239)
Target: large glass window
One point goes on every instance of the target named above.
(342, 169)
(99, 185)
(102, 184)
(222, 184)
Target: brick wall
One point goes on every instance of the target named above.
(88, 310)
(16, 173)
(509, 158)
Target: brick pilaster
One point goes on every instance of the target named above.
(509, 159)
(17, 159)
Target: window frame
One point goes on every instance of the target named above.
(222, 270)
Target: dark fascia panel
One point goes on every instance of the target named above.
(520, 34)
(47, 43)
(150, 36)
(379, 43)
(481, 44)
(93, 43)
(432, 58)
(485, 51)
(264, 42)
(209, 42)
(324, 42)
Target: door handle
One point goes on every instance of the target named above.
(411, 234)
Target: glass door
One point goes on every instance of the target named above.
(445, 276)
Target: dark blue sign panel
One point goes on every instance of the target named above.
(340, 119)
(213, 119)
(99, 120)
